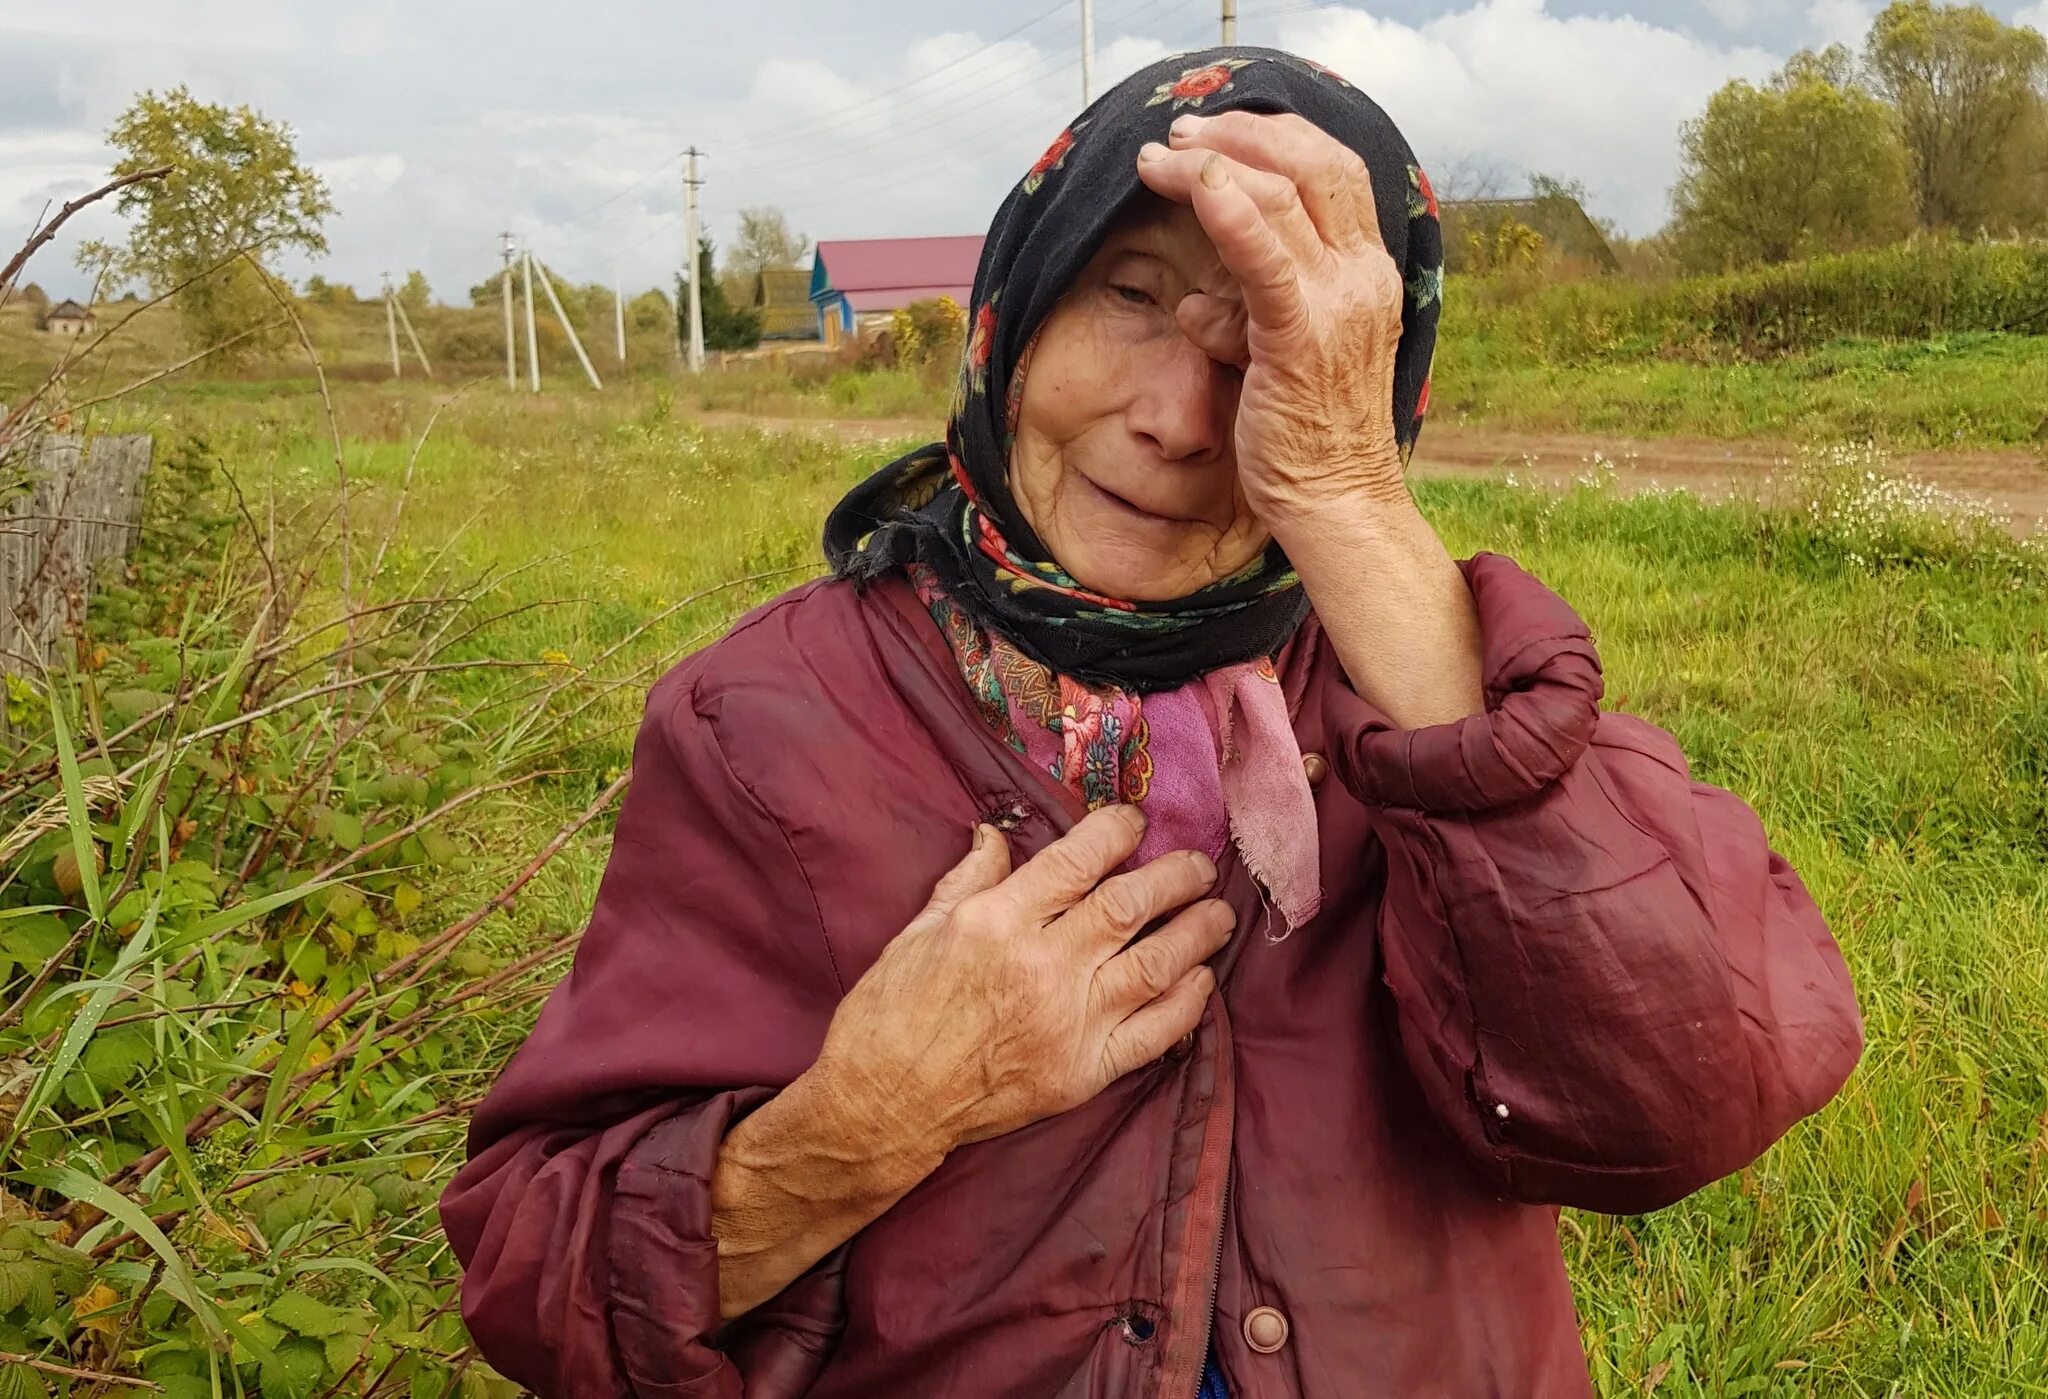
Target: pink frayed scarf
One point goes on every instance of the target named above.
(1212, 763)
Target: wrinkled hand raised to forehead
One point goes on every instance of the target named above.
(1316, 318)
(1283, 200)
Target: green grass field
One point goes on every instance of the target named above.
(1875, 683)
(1890, 724)
(1967, 391)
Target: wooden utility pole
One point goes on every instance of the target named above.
(547, 284)
(391, 326)
(532, 347)
(511, 355)
(1087, 52)
(1229, 22)
(695, 263)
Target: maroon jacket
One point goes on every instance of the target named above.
(1550, 970)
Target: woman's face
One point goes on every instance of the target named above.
(1124, 461)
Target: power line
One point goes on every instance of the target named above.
(670, 225)
(1301, 10)
(906, 125)
(811, 125)
(924, 106)
(1010, 83)
(812, 189)
(934, 103)
(644, 180)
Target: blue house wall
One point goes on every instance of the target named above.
(825, 298)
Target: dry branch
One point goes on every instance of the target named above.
(73, 1372)
(49, 230)
(284, 303)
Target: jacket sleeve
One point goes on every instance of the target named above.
(701, 986)
(1612, 990)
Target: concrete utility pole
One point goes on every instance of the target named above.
(1229, 22)
(405, 319)
(511, 354)
(1087, 51)
(532, 348)
(619, 314)
(391, 326)
(547, 284)
(690, 237)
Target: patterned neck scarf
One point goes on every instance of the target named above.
(1212, 763)
(948, 506)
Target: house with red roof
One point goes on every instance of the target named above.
(857, 282)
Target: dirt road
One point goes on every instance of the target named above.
(2013, 481)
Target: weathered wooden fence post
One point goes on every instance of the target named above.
(81, 505)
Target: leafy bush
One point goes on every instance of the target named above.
(929, 332)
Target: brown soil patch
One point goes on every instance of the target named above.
(2013, 481)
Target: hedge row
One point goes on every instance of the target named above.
(1912, 292)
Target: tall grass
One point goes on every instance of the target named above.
(1879, 690)
(279, 878)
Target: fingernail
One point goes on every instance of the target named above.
(1152, 151)
(1205, 867)
(1135, 816)
(980, 836)
(1214, 175)
(1188, 125)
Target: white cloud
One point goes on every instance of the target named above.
(2037, 17)
(1733, 14)
(1599, 99)
(352, 175)
(1840, 22)
(38, 172)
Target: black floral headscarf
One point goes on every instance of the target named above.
(949, 505)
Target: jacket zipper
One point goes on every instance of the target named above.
(1182, 1368)
(1215, 1280)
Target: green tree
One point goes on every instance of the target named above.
(413, 293)
(650, 310)
(726, 326)
(764, 242)
(1807, 163)
(238, 188)
(321, 292)
(1968, 89)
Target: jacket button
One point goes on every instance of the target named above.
(1316, 767)
(1265, 1329)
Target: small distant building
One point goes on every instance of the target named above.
(857, 282)
(782, 296)
(69, 318)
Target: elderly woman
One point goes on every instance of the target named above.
(1153, 924)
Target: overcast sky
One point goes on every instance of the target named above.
(438, 124)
